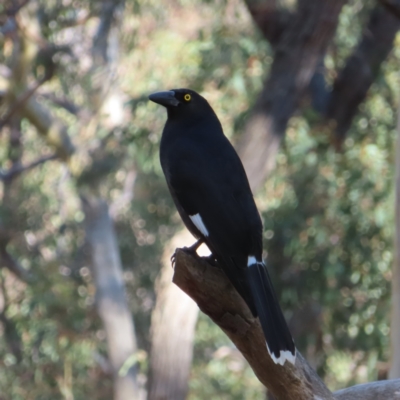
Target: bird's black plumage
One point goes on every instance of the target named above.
(210, 189)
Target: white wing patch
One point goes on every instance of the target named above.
(251, 260)
(284, 356)
(198, 222)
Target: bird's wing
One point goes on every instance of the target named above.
(220, 204)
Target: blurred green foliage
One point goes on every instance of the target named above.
(328, 216)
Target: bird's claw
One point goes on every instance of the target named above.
(211, 259)
(173, 260)
(191, 250)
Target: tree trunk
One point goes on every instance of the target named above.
(172, 333)
(297, 54)
(110, 297)
(395, 314)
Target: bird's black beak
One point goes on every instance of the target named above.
(165, 98)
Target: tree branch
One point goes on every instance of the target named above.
(380, 390)
(19, 102)
(53, 130)
(271, 19)
(361, 69)
(63, 102)
(209, 287)
(211, 290)
(18, 169)
(297, 55)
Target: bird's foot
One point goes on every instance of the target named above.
(173, 259)
(191, 250)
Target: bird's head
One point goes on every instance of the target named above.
(182, 103)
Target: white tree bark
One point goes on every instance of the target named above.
(395, 314)
(110, 298)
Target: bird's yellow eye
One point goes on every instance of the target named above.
(187, 97)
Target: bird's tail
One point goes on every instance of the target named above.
(280, 344)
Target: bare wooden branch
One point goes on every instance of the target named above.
(380, 390)
(211, 290)
(209, 287)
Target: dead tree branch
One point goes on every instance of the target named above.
(211, 290)
(381, 390)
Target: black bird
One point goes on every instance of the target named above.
(210, 189)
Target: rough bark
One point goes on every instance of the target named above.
(172, 333)
(361, 69)
(381, 390)
(216, 297)
(110, 297)
(211, 290)
(394, 371)
(297, 55)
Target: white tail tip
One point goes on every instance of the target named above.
(284, 355)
